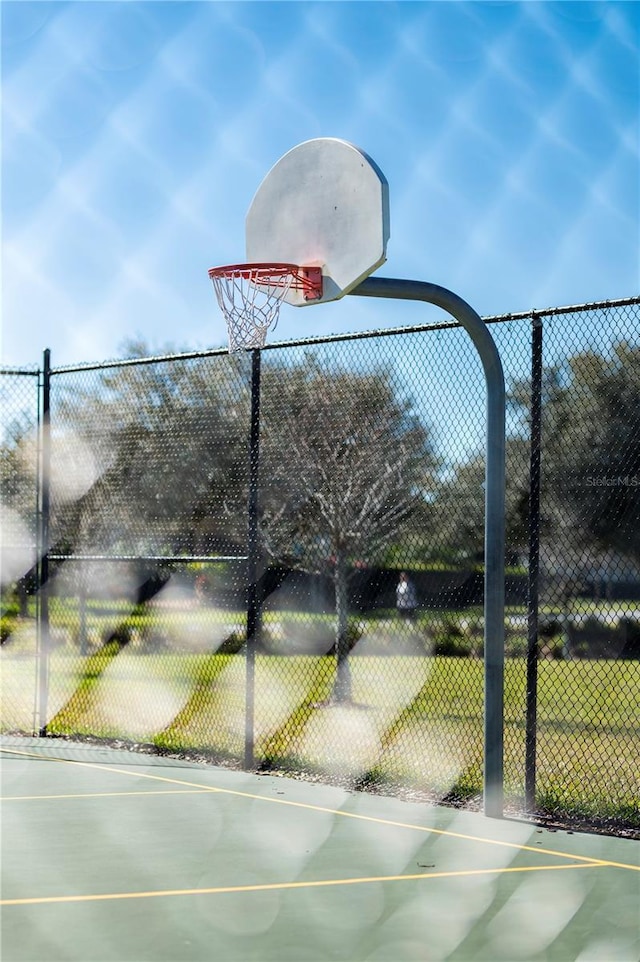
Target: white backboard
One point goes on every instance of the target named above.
(325, 203)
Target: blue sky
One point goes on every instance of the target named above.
(135, 135)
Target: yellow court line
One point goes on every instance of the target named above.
(280, 886)
(149, 791)
(332, 811)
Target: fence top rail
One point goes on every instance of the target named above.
(566, 309)
(20, 371)
(183, 559)
(138, 361)
(532, 314)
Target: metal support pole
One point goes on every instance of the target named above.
(253, 602)
(44, 634)
(494, 514)
(534, 566)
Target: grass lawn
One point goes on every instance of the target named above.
(416, 720)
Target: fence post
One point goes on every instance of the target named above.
(253, 602)
(534, 565)
(44, 634)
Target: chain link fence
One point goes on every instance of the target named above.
(363, 588)
(19, 412)
(20, 543)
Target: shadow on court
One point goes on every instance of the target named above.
(107, 855)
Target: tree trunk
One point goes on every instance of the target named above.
(342, 686)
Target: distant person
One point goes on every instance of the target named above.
(200, 587)
(406, 598)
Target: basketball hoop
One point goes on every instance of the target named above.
(250, 296)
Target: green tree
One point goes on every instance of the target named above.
(459, 508)
(18, 470)
(19, 506)
(601, 463)
(168, 445)
(591, 455)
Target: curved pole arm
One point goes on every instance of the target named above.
(494, 542)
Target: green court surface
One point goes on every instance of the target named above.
(111, 855)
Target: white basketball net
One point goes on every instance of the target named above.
(250, 300)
